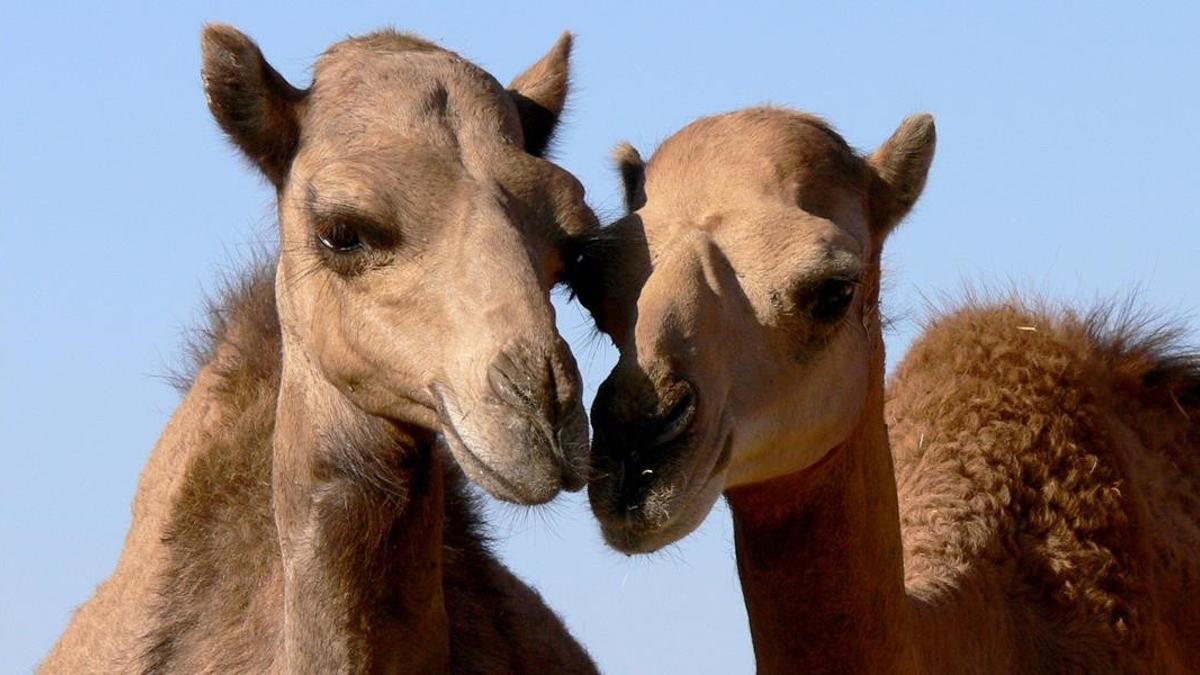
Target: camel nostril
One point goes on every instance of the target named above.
(510, 385)
(678, 417)
(544, 389)
(537, 383)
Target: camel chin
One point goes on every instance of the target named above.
(632, 536)
(657, 507)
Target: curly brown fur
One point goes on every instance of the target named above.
(1054, 457)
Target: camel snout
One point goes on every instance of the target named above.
(643, 417)
(540, 385)
(526, 438)
(546, 390)
(654, 476)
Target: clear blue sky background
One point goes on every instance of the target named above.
(1067, 163)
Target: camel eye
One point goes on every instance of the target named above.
(340, 237)
(831, 299)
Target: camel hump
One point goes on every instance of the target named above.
(1046, 437)
(1027, 345)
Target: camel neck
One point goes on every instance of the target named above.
(821, 562)
(358, 505)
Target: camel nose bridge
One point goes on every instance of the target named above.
(505, 290)
(679, 309)
(529, 364)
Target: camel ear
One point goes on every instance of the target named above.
(633, 175)
(255, 106)
(901, 164)
(541, 93)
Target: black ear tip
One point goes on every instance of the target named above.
(633, 174)
(626, 156)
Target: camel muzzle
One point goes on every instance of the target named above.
(525, 436)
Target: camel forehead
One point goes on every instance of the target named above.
(752, 154)
(400, 83)
(765, 181)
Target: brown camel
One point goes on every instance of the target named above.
(299, 514)
(1036, 504)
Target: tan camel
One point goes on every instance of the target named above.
(1038, 506)
(298, 514)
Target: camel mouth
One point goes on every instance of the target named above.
(657, 507)
(478, 470)
(512, 476)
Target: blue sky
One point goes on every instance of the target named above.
(1066, 165)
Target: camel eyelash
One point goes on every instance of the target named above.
(349, 245)
(831, 298)
(339, 236)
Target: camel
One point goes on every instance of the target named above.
(304, 511)
(1023, 498)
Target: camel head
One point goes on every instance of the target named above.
(420, 236)
(742, 293)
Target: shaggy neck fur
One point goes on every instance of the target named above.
(199, 586)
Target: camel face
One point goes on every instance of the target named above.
(408, 198)
(744, 338)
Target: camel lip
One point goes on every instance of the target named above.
(630, 541)
(574, 476)
(634, 536)
(476, 468)
(626, 528)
